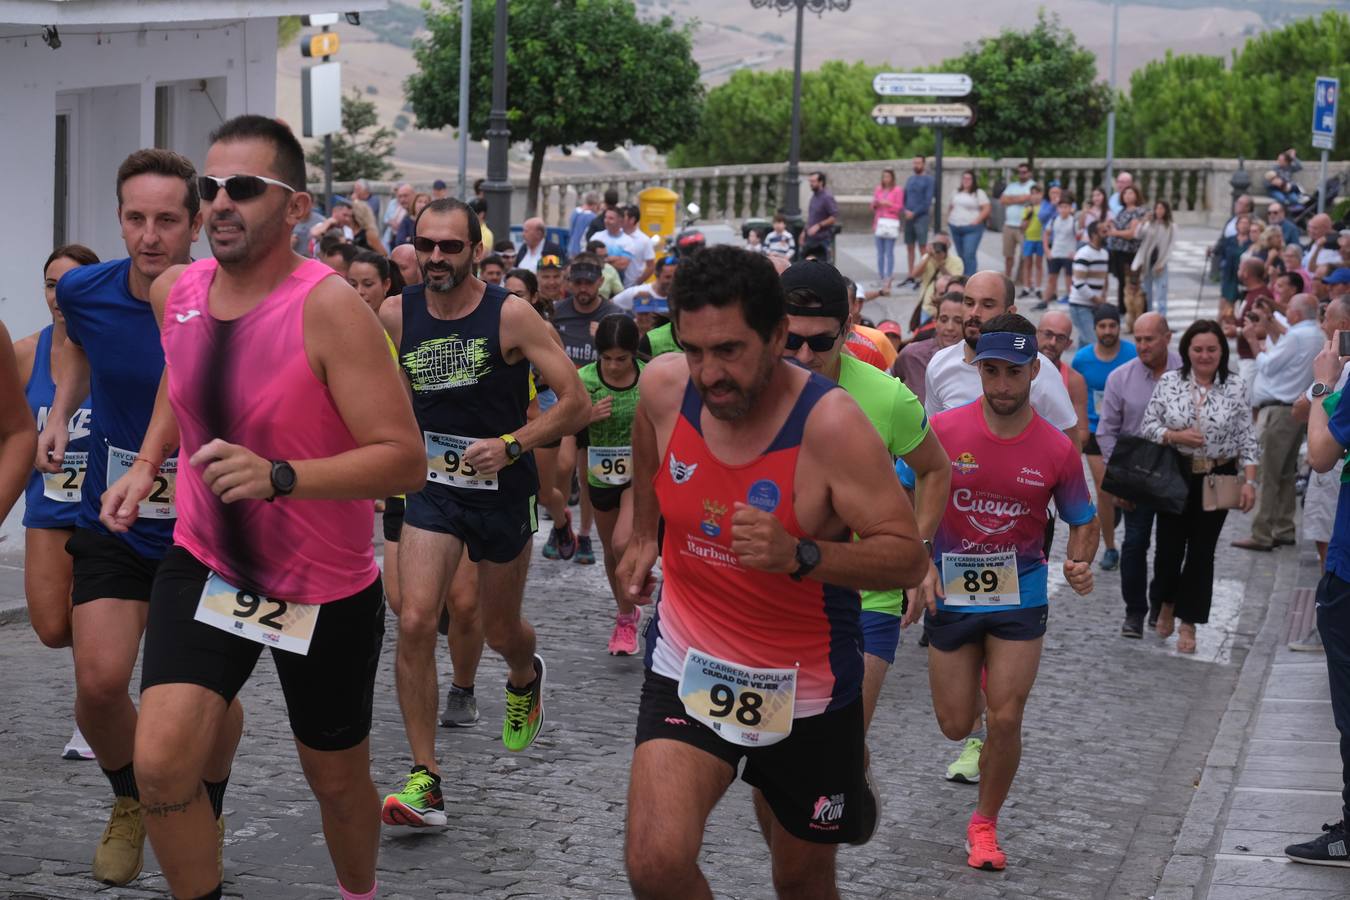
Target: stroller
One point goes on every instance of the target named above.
(1300, 213)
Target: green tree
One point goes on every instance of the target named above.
(1034, 92)
(577, 71)
(363, 147)
(748, 119)
(288, 29)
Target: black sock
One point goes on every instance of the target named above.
(123, 782)
(211, 894)
(215, 791)
(463, 690)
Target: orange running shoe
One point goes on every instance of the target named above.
(982, 845)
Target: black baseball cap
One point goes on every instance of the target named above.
(824, 281)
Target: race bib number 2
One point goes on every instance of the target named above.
(159, 504)
(64, 486)
(987, 579)
(264, 620)
(446, 464)
(745, 706)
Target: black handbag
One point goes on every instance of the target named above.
(1142, 472)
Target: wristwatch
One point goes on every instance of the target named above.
(1319, 389)
(513, 448)
(283, 479)
(808, 557)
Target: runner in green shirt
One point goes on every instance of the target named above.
(612, 382)
(818, 325)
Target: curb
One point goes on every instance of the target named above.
(1188, 870)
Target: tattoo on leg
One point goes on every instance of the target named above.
(163, 810)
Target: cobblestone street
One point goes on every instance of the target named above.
(1116, 735)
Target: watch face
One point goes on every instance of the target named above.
(513, 450)
(284, 477)
(808, 554)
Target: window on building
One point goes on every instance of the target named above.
(61, 182)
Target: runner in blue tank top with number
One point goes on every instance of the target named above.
(52, 499)
(113, 357)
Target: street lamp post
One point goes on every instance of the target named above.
(497, 185)
(792, 207)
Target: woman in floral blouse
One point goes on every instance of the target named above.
(1200, 409)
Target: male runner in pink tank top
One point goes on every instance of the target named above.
(761, 471)
(279, 385)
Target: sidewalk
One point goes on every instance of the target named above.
(1273, 775)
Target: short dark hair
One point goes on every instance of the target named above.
(631, 211)
(478, 206)
(1008, 323)
(503, 245)
(373, 259)
(525, 275)
(1295, 278)
(617, 332)
(824, 179)
(611, 197)
(722, 276)
(289, 161)
(75, 252)
(1092, 229)
(779, 217)
(666, 261)
(161, 162)
(592, 246)
(492, 259)
(346, 251)
(331, 240)
(478, 184)
(1199, 327)
(447, 205)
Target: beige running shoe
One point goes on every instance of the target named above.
(121, 850)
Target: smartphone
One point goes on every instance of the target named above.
(1345, 343)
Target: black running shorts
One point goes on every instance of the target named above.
(496, 533)
(812, 779)
(606, 498)
(105, 566)
(329, 692)
(950, 630)
(393, 518)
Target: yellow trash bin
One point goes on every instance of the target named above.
(657, 208)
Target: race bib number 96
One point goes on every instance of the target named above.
(64, 486)
(610, 465)
(159, 504)
(274, 623)
(988, 579)
(446, 464)
(749, 707)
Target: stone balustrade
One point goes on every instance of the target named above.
(1198, 189)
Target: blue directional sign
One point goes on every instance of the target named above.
(1324, 112)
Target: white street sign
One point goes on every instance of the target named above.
(921, 84)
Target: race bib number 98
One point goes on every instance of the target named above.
(988, 579)
(749, 707)
(264, 620)
(610, 465)
(159, 504)
(446, 464)
(64, 486)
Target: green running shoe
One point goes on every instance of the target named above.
(419, 804)
(524, 711)
(966, 769)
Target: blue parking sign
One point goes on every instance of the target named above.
(1324, 112)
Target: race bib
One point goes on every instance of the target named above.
(275, 623)
(159, 504)
(988, 579)
(1097, 398)
(64, 486)
(610, 465)
(748, 707)
(446, 464)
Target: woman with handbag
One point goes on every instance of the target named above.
(1201, 410)
(887, 201)
(968, 217)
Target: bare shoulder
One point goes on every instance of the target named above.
(159, 289)
(25, 354)
(391, 312)
(519, 318)
(664, 378)
(835, 422)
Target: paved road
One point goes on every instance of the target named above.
(1117, 732)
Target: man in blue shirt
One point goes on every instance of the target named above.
(918, 202)
(1095, 363)
(821, 214)
(113, 356)
(1328, 439)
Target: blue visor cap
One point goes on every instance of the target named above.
(649, 304)
(1018, 349)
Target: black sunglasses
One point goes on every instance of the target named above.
(818, 343)
(237, 187)
(449, 248)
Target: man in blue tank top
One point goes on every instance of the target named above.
(113, 356)
(466, 349)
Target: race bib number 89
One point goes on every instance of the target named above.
(446, 464)
(159, 504)
(988, 579)
(749, 707)
(275, 623)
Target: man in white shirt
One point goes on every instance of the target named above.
(1283, 373)
(535, 245)
(620, 248)
(644, 254)
(1322, 244)
(1087, 284)
(1013, 201)
(658, 290)
(952, 379)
